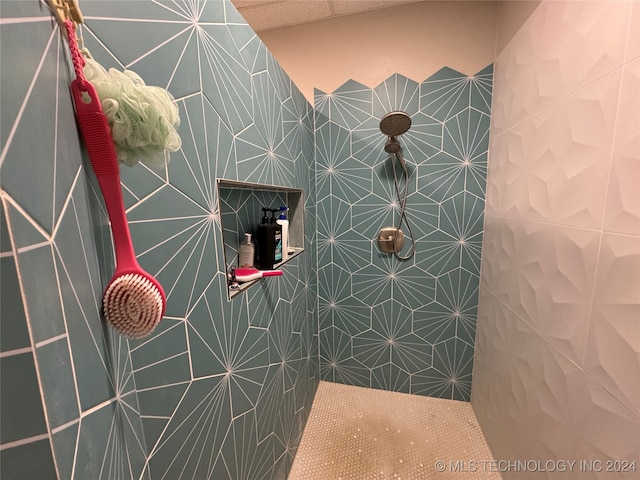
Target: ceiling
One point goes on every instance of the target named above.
(264, 15)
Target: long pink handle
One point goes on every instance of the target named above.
(96, 134)
(271, 273)
(249, 274)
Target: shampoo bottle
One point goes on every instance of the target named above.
(284, 224)
(266, 243)
(277, 232)
(246, 252)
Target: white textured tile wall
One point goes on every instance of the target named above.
(557, 367)
(623, 208)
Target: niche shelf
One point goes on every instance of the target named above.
(240, 206)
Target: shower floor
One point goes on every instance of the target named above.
(356, 433)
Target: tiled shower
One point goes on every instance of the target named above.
(406, 326)
(223, 388)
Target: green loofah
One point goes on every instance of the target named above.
(143, 118)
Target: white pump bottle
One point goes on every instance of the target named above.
(284, 223)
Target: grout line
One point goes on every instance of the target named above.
(109, 435)
(54, 254)
(18, 117)
(625, 53)
(17, 351)
(24, 441)
(20, 20)
(135, 391)
(35, 246)
(557, 350)
(152, 451)
(64, 426)
(175, 69)
(95, 408)
(26, 216)
(99, 41)
(607, 181)
(27, 320)
(154, 49)
(158, 334)
(186, 21)
(557, 101)
(315, 245)
(186, 335)
(54, 174)
(164, 385)
(539, 222)
(50, 340)
(96, 305)
(165, 359)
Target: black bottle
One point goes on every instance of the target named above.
(266, 243)
(277, 254)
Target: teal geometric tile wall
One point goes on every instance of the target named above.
(221, 389)
(409, 325)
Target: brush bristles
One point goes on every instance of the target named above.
(133, 305)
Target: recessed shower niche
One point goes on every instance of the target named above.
(240, 206)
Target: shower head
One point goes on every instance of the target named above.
(392, 145)
(395, 123)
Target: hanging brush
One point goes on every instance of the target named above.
(134, 301)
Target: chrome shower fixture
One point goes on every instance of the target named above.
(391, 239)
(394, 124)
(392, 145)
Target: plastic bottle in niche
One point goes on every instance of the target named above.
(265, 216)
(277, 236)
(266, 242)
(284, 224)
(246, 252)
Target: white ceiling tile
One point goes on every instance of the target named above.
(270, 15)
(348, 7)
(264, 15)
(239, 4)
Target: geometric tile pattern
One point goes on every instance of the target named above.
(557, 365)
(406, 326)
(221, 389)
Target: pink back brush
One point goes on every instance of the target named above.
(133, 301)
